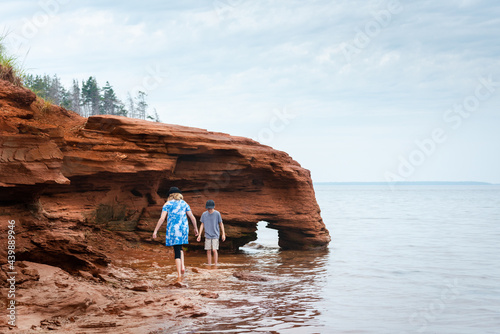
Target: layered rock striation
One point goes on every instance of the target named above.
(64, 177)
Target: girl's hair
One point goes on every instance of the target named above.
(175, 196)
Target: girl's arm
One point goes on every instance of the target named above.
(193, 220)
(160, 221)
(201, 231)
(223, 233)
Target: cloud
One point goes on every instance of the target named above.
(226, 65)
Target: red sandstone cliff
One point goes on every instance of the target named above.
(64, 177)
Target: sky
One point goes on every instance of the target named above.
(355, 91)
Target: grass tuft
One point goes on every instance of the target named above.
(9, 67)
(42, 104)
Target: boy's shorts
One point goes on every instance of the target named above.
(211, 244)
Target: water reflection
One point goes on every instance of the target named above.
(287, 303)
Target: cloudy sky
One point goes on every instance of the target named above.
(353, 90)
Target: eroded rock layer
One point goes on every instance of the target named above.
(63, 176)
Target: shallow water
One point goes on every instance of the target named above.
(419, 259)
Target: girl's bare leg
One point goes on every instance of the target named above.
(178, 264)
(183, 267)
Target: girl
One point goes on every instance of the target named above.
(177, 226)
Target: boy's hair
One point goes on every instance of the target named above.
(175, 196)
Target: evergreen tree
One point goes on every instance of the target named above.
(109, 100)
(131, 106)
(155, 117)
(91, 97)
(53, 93)
(29, 81)
(39, 84)
(65, 98)
(75, 98)
(141, 105)
(85, 102)
(120, 109)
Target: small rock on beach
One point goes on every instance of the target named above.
(247, 276)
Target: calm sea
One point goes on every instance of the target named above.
(418, 259)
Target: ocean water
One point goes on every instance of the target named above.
(417, 259)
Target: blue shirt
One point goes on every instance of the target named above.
(177, 223)
(211, 222)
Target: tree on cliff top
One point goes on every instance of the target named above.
(75, 98)
(141, 105)
(111, 105)
(91, 97)
(87, 101)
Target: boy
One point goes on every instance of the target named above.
(211, 220)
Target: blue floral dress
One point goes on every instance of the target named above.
(177, 223)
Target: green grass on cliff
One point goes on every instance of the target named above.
(9, 67)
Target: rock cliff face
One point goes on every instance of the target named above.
(64, 177)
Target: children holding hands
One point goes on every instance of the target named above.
(176, 211)
(211, 221)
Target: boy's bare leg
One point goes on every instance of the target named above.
(209, 256)
(216, 256)
(183, 267)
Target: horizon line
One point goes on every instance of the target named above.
(406, 183)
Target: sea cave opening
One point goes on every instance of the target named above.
(267, 238)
